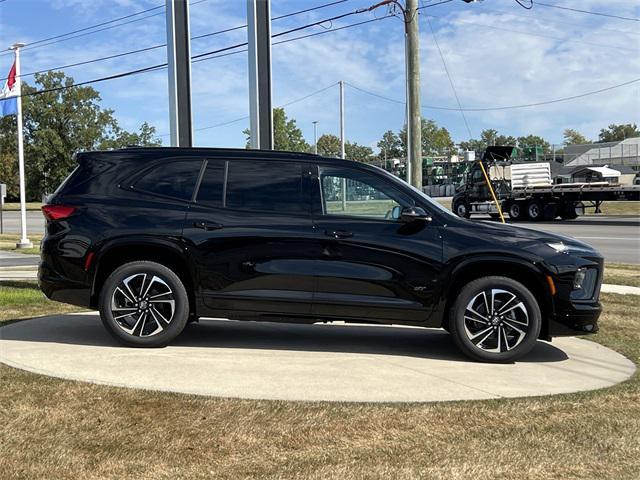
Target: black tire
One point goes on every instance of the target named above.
(132, 287)
(461, 208)
(519, 327)
(517, 211)
(568, 211)
(535, 210)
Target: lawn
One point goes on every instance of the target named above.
(14, 206)
(8, 242)
(53, 428)
(620, 274)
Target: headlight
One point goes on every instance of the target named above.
(584, 284)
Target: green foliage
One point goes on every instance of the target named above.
(616, 133)
(534, 141)
(359, 153)
(58, 124)
(573, 137)
(435, 140)
(329, 145)
(488, 137)
(286, 134)
(390, 146)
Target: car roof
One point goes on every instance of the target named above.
(152, 153)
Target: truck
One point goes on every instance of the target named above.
(526, 190)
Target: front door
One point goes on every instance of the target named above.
(371, 266)
(251, 233)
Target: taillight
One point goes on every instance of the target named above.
(57, 212)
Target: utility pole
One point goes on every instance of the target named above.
(414, 124)
(179, 61)
(315, 137)
(24, 240)
(341, 119)
(259, 45)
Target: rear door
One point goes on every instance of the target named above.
(250, 230)
(371, 266)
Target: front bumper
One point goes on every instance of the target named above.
(575, 319)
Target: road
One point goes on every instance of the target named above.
(616, 237)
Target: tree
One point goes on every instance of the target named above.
(359, 153)
(573, 137)
(435, 140)
(531, 141)
(57, 124)
(329, 145)
(286, 134)
(616, 133)
(488, 137)
(390, 146)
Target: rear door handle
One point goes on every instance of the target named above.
(208, 226)
(338, 233)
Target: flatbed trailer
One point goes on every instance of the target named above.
(537, 200)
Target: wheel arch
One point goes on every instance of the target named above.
(515, 268)
(121, 251)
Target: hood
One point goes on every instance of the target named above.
(517, 237)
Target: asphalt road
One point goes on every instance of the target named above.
(616, 237)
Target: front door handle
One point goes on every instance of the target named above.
(208, 226)
(338, 233)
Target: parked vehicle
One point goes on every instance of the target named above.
(157, 237)
(526, 191)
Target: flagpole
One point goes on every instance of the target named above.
(24, 241)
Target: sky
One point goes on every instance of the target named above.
(496, 52)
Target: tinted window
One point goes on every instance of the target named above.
(212, 185)
(266, 185)
(173, 179)
(346, 191)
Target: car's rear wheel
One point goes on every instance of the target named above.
(144, 304)
(495, 319)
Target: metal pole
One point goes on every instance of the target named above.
(315, 137)
(259, 46)
(342, 149)
(179, 62)
(406, 108)
(24, 241)
(414, 129)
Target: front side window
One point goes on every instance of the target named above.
(351, 192)
(175, 179)
(266, 185)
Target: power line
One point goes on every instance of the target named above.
(507, 107)
(154, 47)
(297, 100)
(600, 14)
(453, 87)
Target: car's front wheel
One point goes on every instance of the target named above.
(495, 319)
(144, 304)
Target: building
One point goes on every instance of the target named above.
(613, 154)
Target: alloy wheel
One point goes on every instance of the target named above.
(143, 305)
(496, 320)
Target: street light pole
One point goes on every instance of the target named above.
(24, 241)
(315, 137)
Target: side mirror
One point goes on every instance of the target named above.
(411, 214)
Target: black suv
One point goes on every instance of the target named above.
(155, 238)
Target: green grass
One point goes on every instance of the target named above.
(8, 242)
(23, 299)
(54, 429)
(620, 208)
(621, 274)
(14, 206)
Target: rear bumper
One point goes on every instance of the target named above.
(61, 289)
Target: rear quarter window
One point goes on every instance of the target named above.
(175, 179)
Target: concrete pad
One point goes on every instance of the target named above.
(620, 289)
(304, 362)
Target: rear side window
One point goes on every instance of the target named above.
(266, 185)
(211, 189)
(171, 179)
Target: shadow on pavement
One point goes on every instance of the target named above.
(212, 333)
